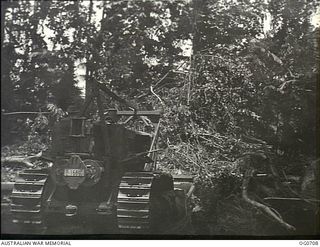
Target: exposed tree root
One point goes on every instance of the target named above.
(270, 212)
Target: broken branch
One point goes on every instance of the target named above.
(26, 161)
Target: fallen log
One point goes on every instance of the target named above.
(267, 210)
(290, 199)
(23, 113)
(26, 161)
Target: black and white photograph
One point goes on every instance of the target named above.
(149, 119)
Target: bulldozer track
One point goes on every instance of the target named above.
(133, 205)
(26, 198)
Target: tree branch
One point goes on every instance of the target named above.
(267, 210)
(27, 112)
(26, 161)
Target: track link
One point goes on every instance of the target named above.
(133, 205)
(26, 197)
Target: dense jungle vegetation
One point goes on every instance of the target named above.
(237, 82)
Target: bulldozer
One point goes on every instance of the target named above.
(103, 177)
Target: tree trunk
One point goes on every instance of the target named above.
(4, 6)
(90, 58)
